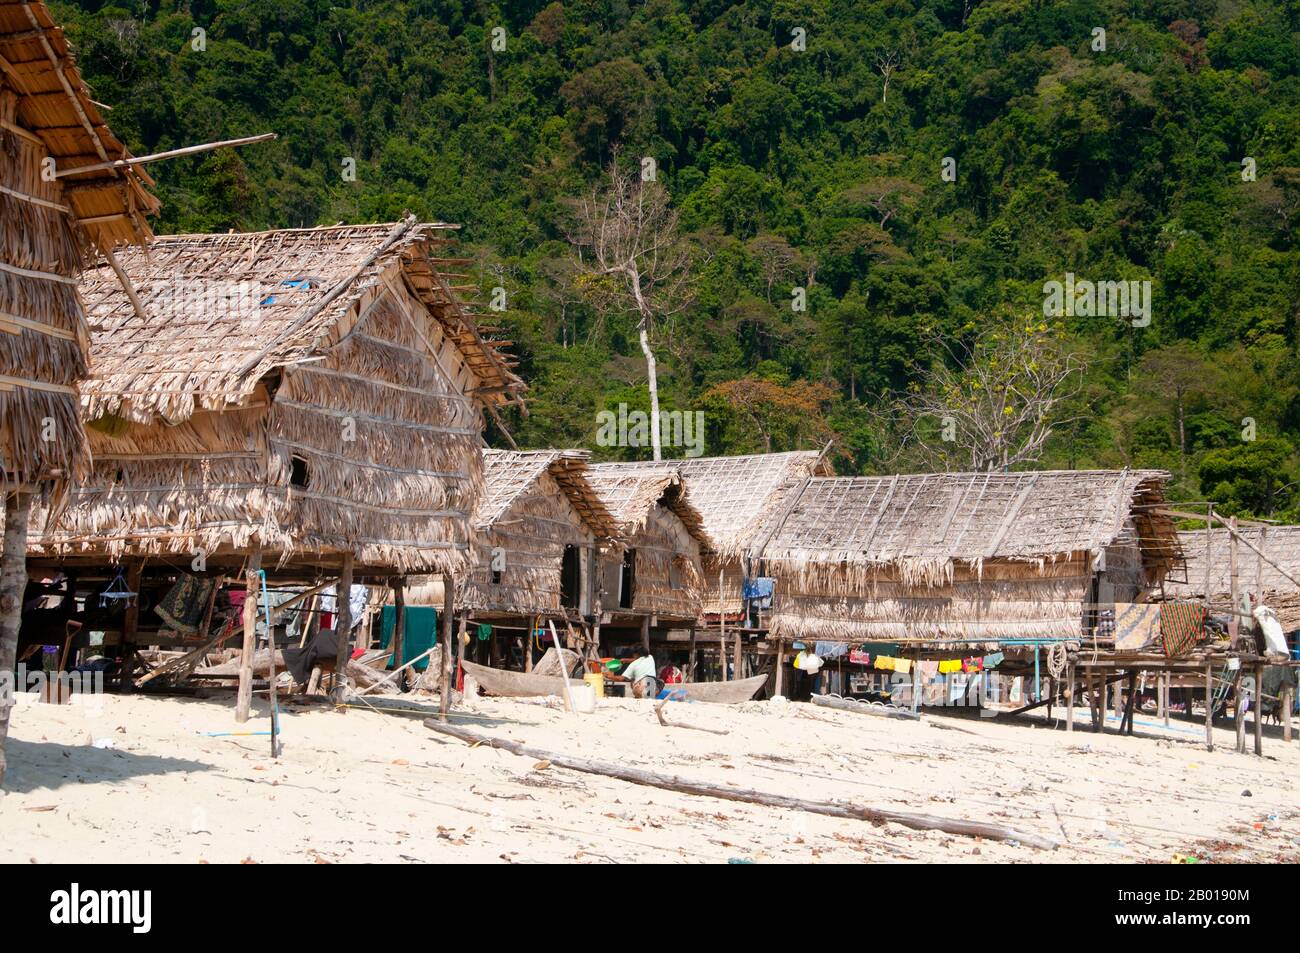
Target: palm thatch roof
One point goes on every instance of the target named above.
(509, 474)
(924, 523)
(47, 225)
(220, 311)
(630, 494)
(736, 495)
(54, 106)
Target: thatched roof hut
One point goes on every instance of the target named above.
(47, 225)
(312, 392)
(1256, 576)
(736, 498)
(537, 528)
(954, 556)
(653, 569)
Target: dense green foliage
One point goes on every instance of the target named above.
(792, 168)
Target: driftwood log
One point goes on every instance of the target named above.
(671, 782)
(862, 708)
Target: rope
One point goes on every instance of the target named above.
(1058, 657)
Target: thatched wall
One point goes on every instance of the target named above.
(533, 532)
(660, 523)
(1001, 600)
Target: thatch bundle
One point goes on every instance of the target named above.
(534, 505)
(46, 226)
(318, 389)
(963, 555)
(658, 521)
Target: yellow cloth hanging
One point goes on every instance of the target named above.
(903, 665)
(885, 663)
(948, 666)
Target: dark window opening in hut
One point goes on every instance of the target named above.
(298, 475)
(627, 582)
(570, 578)
(496, 577)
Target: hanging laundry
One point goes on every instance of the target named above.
(829, 650)
(903, 665)
(949, 666)
(859, 657)
(758, 591)
(994, 660)
(929, 669)
(484, 631)
(972, 665)
(186, 603)
(885, 663)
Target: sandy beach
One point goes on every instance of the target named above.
(130, 779)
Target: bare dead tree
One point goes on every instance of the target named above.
(992, 404)
(631, 259)
(887, 62)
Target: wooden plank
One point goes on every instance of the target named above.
(244, 700)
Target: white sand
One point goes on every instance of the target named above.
(355, 785)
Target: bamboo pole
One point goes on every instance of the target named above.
(399, 627)
(159, 156)
(1069, 698)
(1257, 709)
(1209, 707)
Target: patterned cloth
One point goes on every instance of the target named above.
(186, 603)
(1136, 625)
(1180, 626)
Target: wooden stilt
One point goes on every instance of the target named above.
(1130, 704)
(1209, 708)
(13, 582)
(130, 623)
(690, 665)
(780, 667)
(1239, 713)
(645, 634)
(738, 665)
(244, 698)
(1257, 709)
(398, 645)
(343, 627)
(528, 647)
(445, 636)
(1069, 697)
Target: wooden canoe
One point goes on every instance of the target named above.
(719, 693)
(496, 681)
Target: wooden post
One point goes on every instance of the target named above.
(690, 665)
(343, 627)
(645, 634)
(1069, 697)
(244, 698)
(1209, 707)
(1257, 708)
(398, 644)
(1209, 548)
(1239, 713)
(738, 666)
(1130, 704)
(13, 583)
(722, 630)
(1234, 626)
(780, 666)
(528, 650)
(130, 622)
(445, 635)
